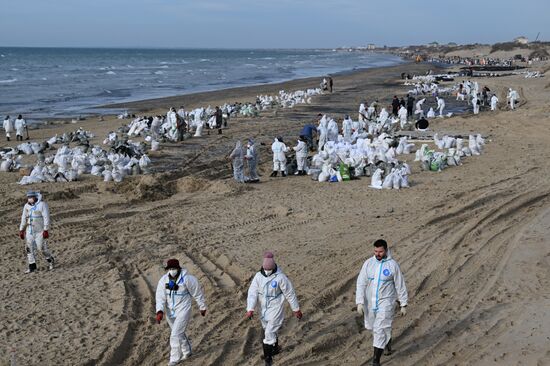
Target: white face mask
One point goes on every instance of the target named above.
(173, 272)
(268, 272)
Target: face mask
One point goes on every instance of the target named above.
(173, 272)
(268, 272)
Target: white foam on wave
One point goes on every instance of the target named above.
(8, 81)
(111, 73)
(14, 69)
(158, 72)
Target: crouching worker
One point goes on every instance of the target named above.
(379, 285)
(174, 292)
(272, 287)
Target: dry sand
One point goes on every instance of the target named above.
(472, 242)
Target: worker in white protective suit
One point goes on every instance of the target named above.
(431, 113)
(279, 157)
(419, 109)
(8, 127)
(252, 158)
(362, 113)
(172, 121)
(494, 102)
(475, 104)
(175, 291)
(271, 286)
(237, 160)
(20, 125)
(34, 227)
(332, 130)
(347, 129)
(402, 114)
(513, 97)
(301, 156)
(323, 131)
(440, 106)
(379, 285)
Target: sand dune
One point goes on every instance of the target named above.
(471, 240)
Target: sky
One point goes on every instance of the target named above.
(267, 23)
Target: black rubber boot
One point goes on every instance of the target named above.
(388, 351)
(274, 174)
(32, 268)
(376, 357)
(220, 131)
(268, 354)
(284, 174)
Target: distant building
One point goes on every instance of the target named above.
(521, 40)
(451, 44)
(371, 46)
(433, 44)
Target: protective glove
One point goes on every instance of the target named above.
(298, 314)
(160, 315)
(249, 314)
(45, 234)
(22, 234)
(403, 310)
(203, 312)
(360, 309)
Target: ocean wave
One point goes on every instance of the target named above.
(111, 73)
(14, 69)
(8, 81)
(205, 60)
(158, 72)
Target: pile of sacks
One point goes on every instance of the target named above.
(455, 150)
(341, 161)
(122, 158)
(69, 164)
(287, 99)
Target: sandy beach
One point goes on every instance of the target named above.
(472, 242)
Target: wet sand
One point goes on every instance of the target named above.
(471, 240)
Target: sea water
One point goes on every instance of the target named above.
(45, 83)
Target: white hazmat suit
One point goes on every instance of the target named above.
(347, 129)
(252, 161)
(379, 285)
(35, 223)
(279, 157)
(440, 106)
(271, 291)
(301, 156)
(177, 303)
(237, 159)
(20, 125)
(8, 128)
(494, 103)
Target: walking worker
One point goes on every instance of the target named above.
(271, 287)
(34, 227)
(379, 285)
(174, 293)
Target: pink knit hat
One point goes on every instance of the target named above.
(269, 262)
